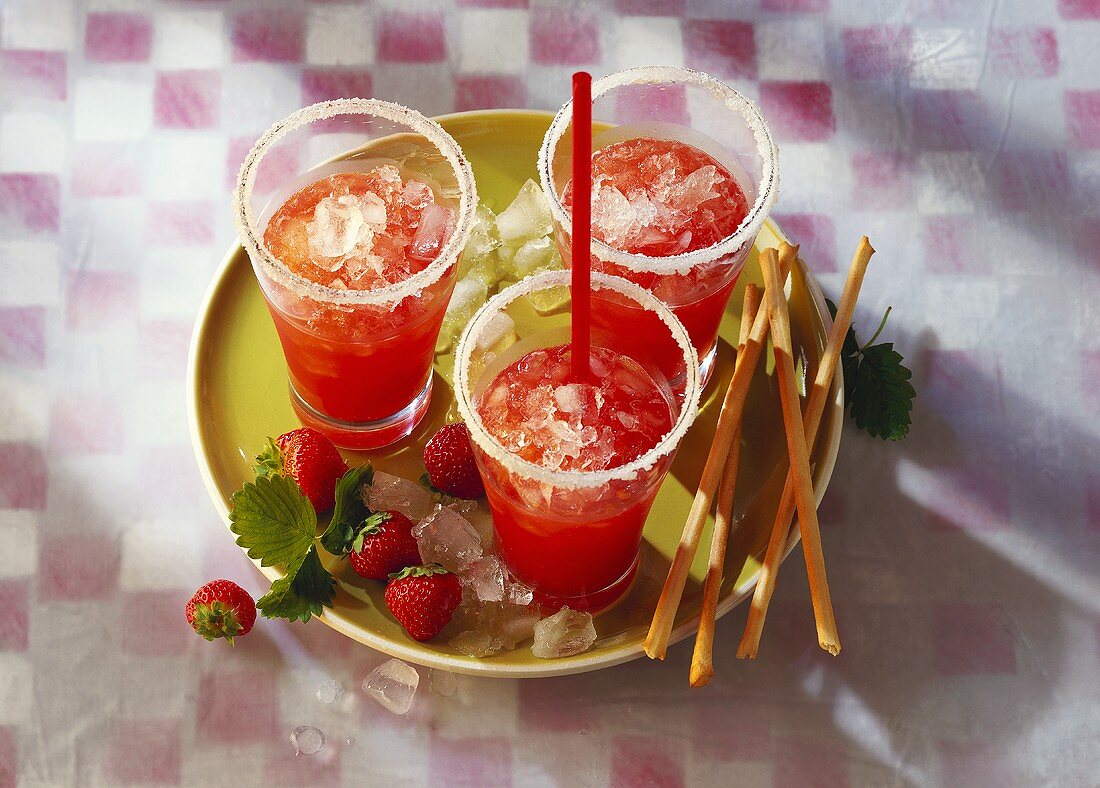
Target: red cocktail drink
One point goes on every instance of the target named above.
(684, 174)
(357, 259)
(571, 467)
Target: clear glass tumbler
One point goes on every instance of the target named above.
(672, 106)
(359, 360)
(573, 535)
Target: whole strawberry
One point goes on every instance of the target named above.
(423, 599)
(310, 459)
(384, 546)
(221, 609)
(449, 459)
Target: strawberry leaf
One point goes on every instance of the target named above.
(269, 462)
(370, 526)
(426, 570)
(350, 511)
(877, 389)
(274, 521)
(299, 596)
(276, 524)
(883, 395)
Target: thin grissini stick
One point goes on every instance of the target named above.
(827, 636)
(702, 664)
(815, 409)
(660, 630)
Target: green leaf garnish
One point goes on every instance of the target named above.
(349, 512)
(877, 388)
(269, 462)
(426, 570)
(273, 520)
(369, 526)
(276, 524)
(301, 595)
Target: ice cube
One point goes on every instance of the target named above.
(482, 521)
(501, 328)
(487, 268)
(688, 194)
(339, 228)
(627, 420)
(463, 506)
(468, 296)
(517, 593)
(484, 237)
(373, 209)
(527, 217)
(516, 623)
(360, 265)
(486, 578)
(393, 493)
(478, 643)
(330, 692)
(436, 224)
(417, 194)
(392, 685)
(442, 682)
(447, 538)
(612, 216)
(564, 634)
(307, 740)
(534, 256)
(570, 398)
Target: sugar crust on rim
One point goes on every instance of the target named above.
(735, 101)
(252, 237)
(574, 479)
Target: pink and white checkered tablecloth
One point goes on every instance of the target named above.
(962, 136)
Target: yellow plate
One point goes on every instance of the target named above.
(238, 396)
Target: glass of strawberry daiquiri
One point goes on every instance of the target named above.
(354, 213)
(684, 173)
(571, 466)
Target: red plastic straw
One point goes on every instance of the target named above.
(582, 223)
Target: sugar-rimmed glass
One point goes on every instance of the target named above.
(681, 105)
(573, 536)
(359, 361)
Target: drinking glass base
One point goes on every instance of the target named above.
(365, 435)
(595, 602)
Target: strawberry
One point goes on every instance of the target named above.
(423, 599)
(384, 546)
(310, 459)
(221, 609)
(449, 459)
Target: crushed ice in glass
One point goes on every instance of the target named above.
(392, 685)
(307, 740)
(564, 634)
(345, 224)
(661, 197)
(539, 415)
